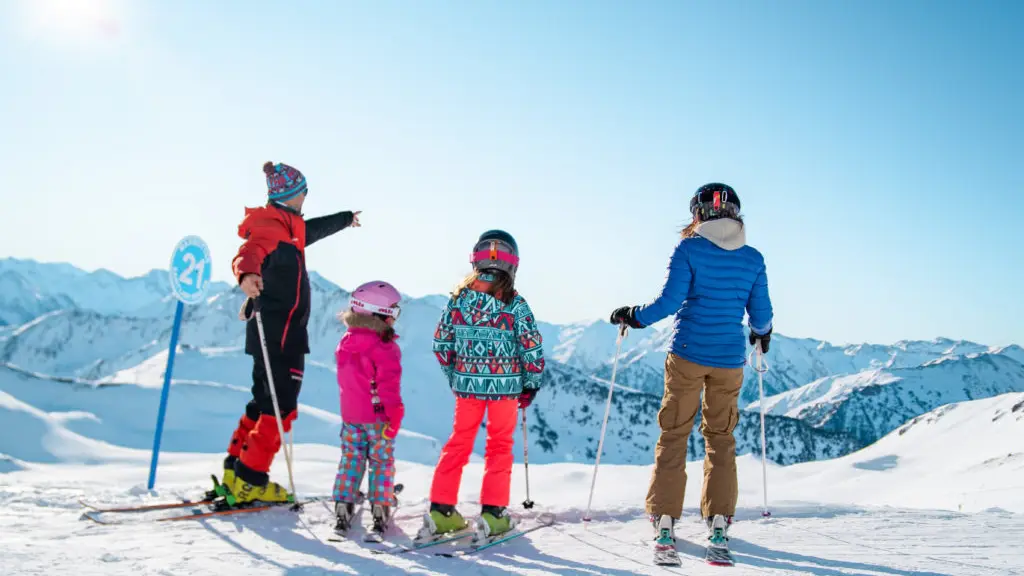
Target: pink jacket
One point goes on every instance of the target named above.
(364, 357)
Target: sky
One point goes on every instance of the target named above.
(876, 146)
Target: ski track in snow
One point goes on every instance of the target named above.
(42, 530)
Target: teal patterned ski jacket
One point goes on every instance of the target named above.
(488, 349)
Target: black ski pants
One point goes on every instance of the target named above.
(287, 371)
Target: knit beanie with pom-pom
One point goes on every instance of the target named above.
(283, 182)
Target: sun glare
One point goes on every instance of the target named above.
(75, 18)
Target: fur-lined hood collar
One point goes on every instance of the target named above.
(370, 322)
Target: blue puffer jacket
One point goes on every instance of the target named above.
(712, 279)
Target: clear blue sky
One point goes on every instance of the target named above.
(876, 146)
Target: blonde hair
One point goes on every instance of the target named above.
(691, 229)
(503, 288)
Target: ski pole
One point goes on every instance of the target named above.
(273, 397)
(604, 425)
(764, 448)
(527, 503)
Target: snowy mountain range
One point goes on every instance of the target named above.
(872, 403)
(99, 334)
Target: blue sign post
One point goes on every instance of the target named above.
(190, 279)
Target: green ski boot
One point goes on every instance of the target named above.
(442, 519)
(494, 521)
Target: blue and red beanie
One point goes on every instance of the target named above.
(283, 182)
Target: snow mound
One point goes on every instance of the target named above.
(974, 447)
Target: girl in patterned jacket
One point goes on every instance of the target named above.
(369, 379)
(490, 350)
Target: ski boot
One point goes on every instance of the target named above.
(718, 540)
(381, 523)
(221, 487)
(343, 513)
(493, 521)
(442, 519)
(664, 529)
(242, 492)
(665, 553)
(718, 530)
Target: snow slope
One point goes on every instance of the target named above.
(870, 404)
(961, 456)
(865, 514)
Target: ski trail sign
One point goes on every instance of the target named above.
(190, 279)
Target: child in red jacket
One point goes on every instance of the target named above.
(271, 266)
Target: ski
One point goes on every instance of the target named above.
(716, 556)
(209, 498)
(717, 551)
(435, 541)
(145, 507)
(543, 521)
(199, 512)
(666, 555)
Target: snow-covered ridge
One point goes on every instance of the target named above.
(31, 288)
(872, 403)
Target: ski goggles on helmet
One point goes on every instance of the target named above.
(494, 255)
(393, 311)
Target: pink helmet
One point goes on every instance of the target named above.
(377, 297)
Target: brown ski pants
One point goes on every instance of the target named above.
(684, 382)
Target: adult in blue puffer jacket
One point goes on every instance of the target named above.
(713, 278)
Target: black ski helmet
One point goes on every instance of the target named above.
(496, 250)
(713, 201)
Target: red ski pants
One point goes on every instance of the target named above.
(501, 427)
(257, 440)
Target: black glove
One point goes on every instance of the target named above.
(764, 338)
(625, 315)
(526, 397)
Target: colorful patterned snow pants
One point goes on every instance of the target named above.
(359, 443)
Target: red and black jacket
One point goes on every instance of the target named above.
(276, 238)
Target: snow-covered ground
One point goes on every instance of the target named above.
(903, 506)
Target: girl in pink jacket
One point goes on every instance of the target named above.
(369, 378)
